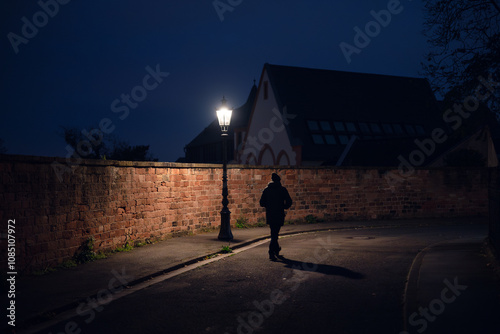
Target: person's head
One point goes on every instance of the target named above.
(275, 177)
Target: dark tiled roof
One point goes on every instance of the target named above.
(346, 96)
(211, 134)
(379, 152)
(325, 154)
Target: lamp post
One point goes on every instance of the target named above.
(224, 116)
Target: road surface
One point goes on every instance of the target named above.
(350, 281)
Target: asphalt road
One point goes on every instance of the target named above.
(348, 281)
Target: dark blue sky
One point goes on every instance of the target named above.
(91, 52)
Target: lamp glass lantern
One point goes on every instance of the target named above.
(224, 116)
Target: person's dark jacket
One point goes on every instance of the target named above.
(276, 199)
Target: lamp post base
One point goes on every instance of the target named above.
(225, 233)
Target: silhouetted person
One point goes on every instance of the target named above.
(275, 199)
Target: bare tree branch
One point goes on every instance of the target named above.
(464, 39)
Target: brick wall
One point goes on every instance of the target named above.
(119, 202)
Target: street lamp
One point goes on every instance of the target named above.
(224, 116)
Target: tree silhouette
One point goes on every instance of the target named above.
(126, 152)
(94, 148)
(100, 146)
(464, 36)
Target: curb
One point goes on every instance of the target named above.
(410, 300)
(410, 291)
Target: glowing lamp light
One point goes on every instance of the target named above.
(224, 116)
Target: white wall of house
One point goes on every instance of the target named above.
(267, 141)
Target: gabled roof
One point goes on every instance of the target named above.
(242, 114)
(317, 94)
(209, 135)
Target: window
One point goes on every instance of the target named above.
(330, 140)
(388, 129)
(398, 129)
(351, 127)
(339, 126)
(375, 128)
(364, 128)
(409, 129)
(313, 125)
(318, 139)
(420, 129)
(324, 132)
(343, 139)
(266, 90)
(325, 126)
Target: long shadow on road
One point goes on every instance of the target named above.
(321, 268)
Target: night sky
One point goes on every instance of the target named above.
(75, 67)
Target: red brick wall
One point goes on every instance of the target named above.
(116, 202)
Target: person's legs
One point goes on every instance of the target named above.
(274, 247)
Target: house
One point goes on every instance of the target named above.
(314, 117)
(306, 116)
